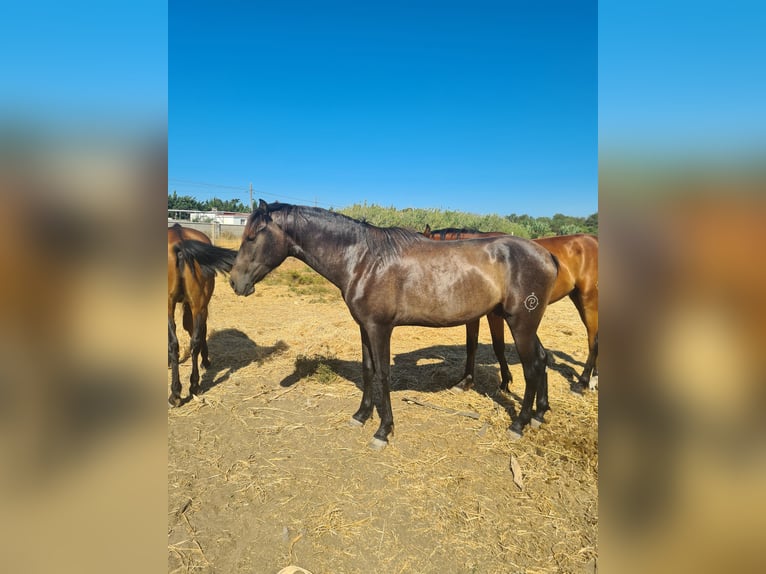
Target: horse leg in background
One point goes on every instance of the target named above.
(589, 378)
(532, 355)
(175, 384)
(368, 372)
(203, 346)
(471, 344)
(497, 330)
(542, 386)
(188, 319)
(198, 332)
(587, 306)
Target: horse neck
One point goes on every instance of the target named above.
(324, 241)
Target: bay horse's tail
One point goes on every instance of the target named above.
(556, 262)
(210, 258)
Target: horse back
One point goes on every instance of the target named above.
(184, 280)
(578, 259)
(447, 283)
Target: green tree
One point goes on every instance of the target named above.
(176, 201)
(539, 227)
(225, 205)
(591, 223)
(570, 229)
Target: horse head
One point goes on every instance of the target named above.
(264, 247)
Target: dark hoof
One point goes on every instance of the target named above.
(377, 444)
(361, 417)
(578, 388)
(174, 400)
(516, 429)
(195, 390)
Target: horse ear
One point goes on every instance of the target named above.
(262, 206)
(428, 230)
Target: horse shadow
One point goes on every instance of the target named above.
(433, 369)
(231, 350)
(565, 369)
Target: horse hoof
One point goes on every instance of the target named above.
(174, 401)
(514, 435)
(578, 389)
(377, 444)
(352, 422)
(593, 383)
(462, 386)
(536, 423)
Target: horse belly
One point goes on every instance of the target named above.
(448, 303)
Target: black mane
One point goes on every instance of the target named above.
(455, 230)
(383, 242)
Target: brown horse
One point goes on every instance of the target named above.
(192, 265)
(392, 276)
(578, 278)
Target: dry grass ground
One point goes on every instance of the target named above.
(264, 471)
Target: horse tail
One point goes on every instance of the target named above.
(210, 258)
(555, 262)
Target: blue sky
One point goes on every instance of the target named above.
(85, 65)
(484, 107)
(682, 79)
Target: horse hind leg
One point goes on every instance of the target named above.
(542, 405)
(198, 332)
(589, 377)
(587, 306)
(175, 385)
(204, 355)
(533, 360)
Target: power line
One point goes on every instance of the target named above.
(247, 190)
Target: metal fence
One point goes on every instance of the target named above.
(215, 231)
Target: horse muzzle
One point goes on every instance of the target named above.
(240, 289)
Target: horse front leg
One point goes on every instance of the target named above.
(175, 380)
(368, 371)
(471, 344)
(380, 340)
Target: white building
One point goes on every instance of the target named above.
(223, 217)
